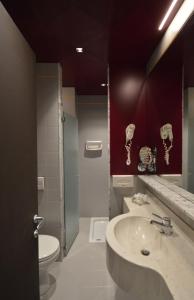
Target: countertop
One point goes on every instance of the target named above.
(177, 265)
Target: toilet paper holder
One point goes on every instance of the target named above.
(93, 146)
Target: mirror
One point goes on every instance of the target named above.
(181, 53)
(188, 107)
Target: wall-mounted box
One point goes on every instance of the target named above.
(40, 182)
(123, 181)
(93, 145)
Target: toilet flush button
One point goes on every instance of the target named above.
(40, 183)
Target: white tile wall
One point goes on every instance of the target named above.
(93, 184)
(48, 125)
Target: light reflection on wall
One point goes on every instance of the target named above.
(128, 89)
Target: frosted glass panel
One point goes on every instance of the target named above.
(70, 134)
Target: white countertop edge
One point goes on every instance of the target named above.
(181, 206)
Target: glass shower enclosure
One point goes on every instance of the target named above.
(71, 179)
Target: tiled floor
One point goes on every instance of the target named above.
(83, 274)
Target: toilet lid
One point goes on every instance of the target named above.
(48, 245)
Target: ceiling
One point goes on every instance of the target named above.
(112, 32)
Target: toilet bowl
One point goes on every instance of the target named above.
(49, 249)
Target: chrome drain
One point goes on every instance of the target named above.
(145, 252)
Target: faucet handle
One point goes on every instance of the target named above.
(159, 217)
(166, 220)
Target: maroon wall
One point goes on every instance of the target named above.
(149, 103)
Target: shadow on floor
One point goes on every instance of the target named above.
(51, 290)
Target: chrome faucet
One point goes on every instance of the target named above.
(165, 223)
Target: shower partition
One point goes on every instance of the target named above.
(71, 179)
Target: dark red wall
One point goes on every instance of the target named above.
(149, 103)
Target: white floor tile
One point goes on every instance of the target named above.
(83, 274)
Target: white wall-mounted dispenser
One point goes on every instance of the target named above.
(93, 145)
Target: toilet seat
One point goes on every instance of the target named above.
(48, 247)
(48, 251)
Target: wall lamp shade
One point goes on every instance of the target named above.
(182, 16)
(169, 11)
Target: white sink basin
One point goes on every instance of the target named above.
(135, 234)
(135, 250)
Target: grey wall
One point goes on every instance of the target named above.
(93, 171)
(116, 199)
(51, 201)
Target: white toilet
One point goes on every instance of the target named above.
(49, 249)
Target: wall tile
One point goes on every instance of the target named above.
(52, 131)
(52, 158)
(51, 170)
(47, 69)
(51, 145)
(93, 181)
(42, 197)
(53, 183)
(51, 211)
(53, 194)
(41, 169)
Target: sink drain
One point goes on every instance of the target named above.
(145, 252)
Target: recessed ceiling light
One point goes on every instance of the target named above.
(104, 84)
(167, 14)
(79, 50)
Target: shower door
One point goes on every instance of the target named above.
(70, 146)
